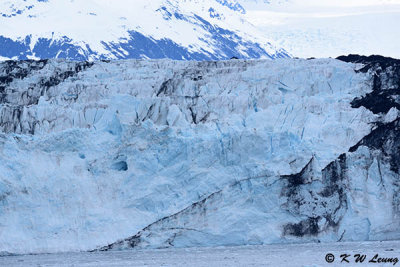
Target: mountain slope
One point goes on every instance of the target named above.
(99, 29)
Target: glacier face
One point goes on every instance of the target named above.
(125, 29)
(164, 153)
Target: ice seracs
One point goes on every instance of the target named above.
(160, 153)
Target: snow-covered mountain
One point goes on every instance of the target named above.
(161, 153)
(123, 29)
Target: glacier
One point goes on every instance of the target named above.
(329, 28)
(112, 155)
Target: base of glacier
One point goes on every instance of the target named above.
(272, 255)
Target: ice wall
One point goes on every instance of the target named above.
(165, 153)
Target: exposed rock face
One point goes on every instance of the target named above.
(164, 153)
